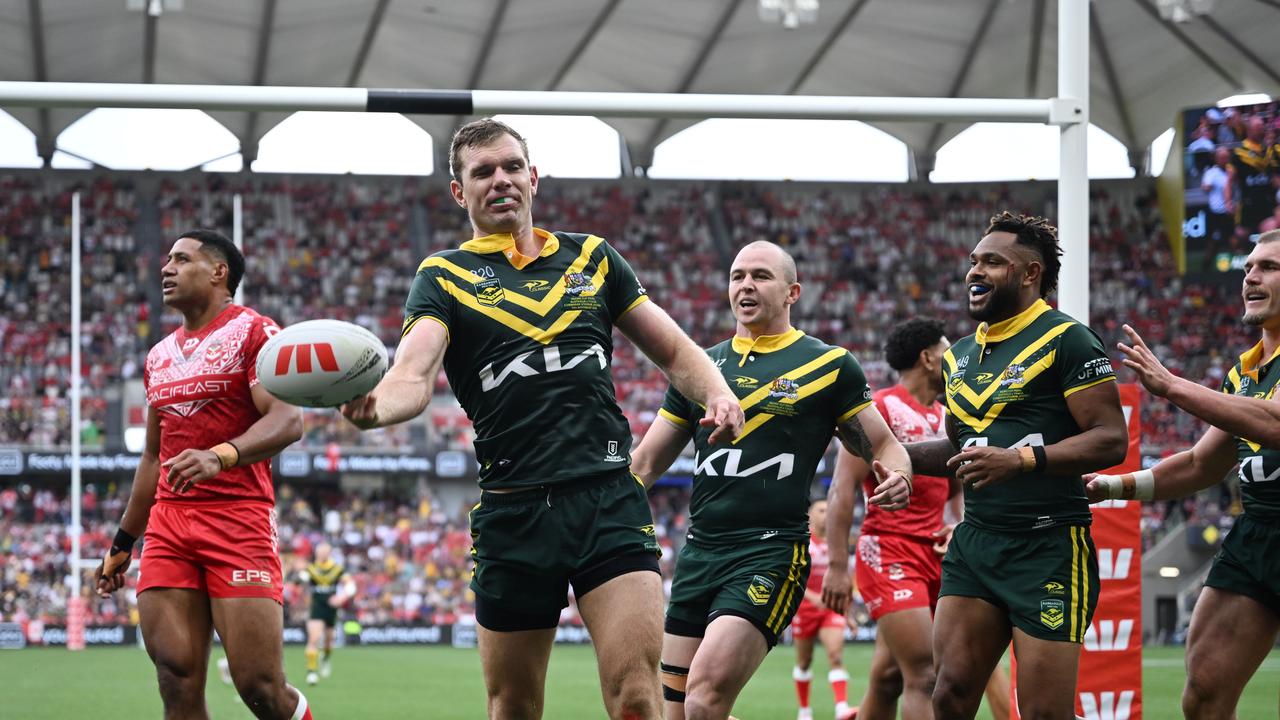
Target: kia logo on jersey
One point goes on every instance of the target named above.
(323, 353)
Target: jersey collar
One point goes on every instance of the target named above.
(764, 343)
(505, 243)
(1006, 329)
(1251, 363)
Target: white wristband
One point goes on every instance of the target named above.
(1144, 485)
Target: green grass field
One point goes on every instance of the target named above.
(443, 683)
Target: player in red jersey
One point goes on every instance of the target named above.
(202, 493)
(899, 554)
(813, 619)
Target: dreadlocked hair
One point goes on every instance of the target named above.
(1036, 233)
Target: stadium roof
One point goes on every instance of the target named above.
(1143, 68)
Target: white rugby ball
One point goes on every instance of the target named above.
(321, 363)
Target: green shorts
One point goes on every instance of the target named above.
(761, 582)
(530, 546)
(1047, 580)
(1248, 563)
(322, 610)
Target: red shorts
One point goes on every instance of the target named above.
(895, 573)
(810, 619)
(222, 549)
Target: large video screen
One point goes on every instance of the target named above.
(1231, 171)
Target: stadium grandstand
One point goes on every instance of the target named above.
(345, 242)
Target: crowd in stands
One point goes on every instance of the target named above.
(35, 294)
(408, 553)
(347, 248)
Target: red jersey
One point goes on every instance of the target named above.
(910, 422)
(819, 561)
(199, 384)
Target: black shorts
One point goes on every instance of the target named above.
(530, 546)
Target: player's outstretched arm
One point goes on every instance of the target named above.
(1202, 466)
(687, 366)
(109, 575)
(930, 456)
(659, 447)
(406, 389)
(837, 589)
(279, 427)
(868, 436)
(1253, 418)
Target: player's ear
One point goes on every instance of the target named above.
(220, 272)
(455, 189)
(793, 293)
(533, 179)
(1033, 273)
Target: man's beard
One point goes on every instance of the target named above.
(1253, 319)
(1001, 305)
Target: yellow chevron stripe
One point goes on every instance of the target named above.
(502, 316)
(806, 390)
(978, 425)
(506, 318)
(854, 411)
(826, 358)
(539, 307)
(979, 399)
(1233, 381)
(994, 411)
(788, 587)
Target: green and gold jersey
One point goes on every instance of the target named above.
(324, 579)
(530, 351)
(1259, 466)
(794, 389)
(1007, 385)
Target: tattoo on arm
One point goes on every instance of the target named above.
(855, 438)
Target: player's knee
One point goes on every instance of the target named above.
(953, 699)
(514, 706)
(1197, 696)
(181, 686)
(265, 694)
(705, 700)
(886, 681)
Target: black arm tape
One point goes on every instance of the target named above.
(671, 694)
(123, 542)
(673, 669)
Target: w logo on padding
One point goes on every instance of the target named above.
(323, 353)
(1107, 705)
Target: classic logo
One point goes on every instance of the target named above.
(647, 529)
(983, 378)
(323, 354)
(1054, 588)
(784, 388)
(578, 284)
(1051, 613)
(489, 292)
(745, 382)
(535, 285)
(759, 590)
